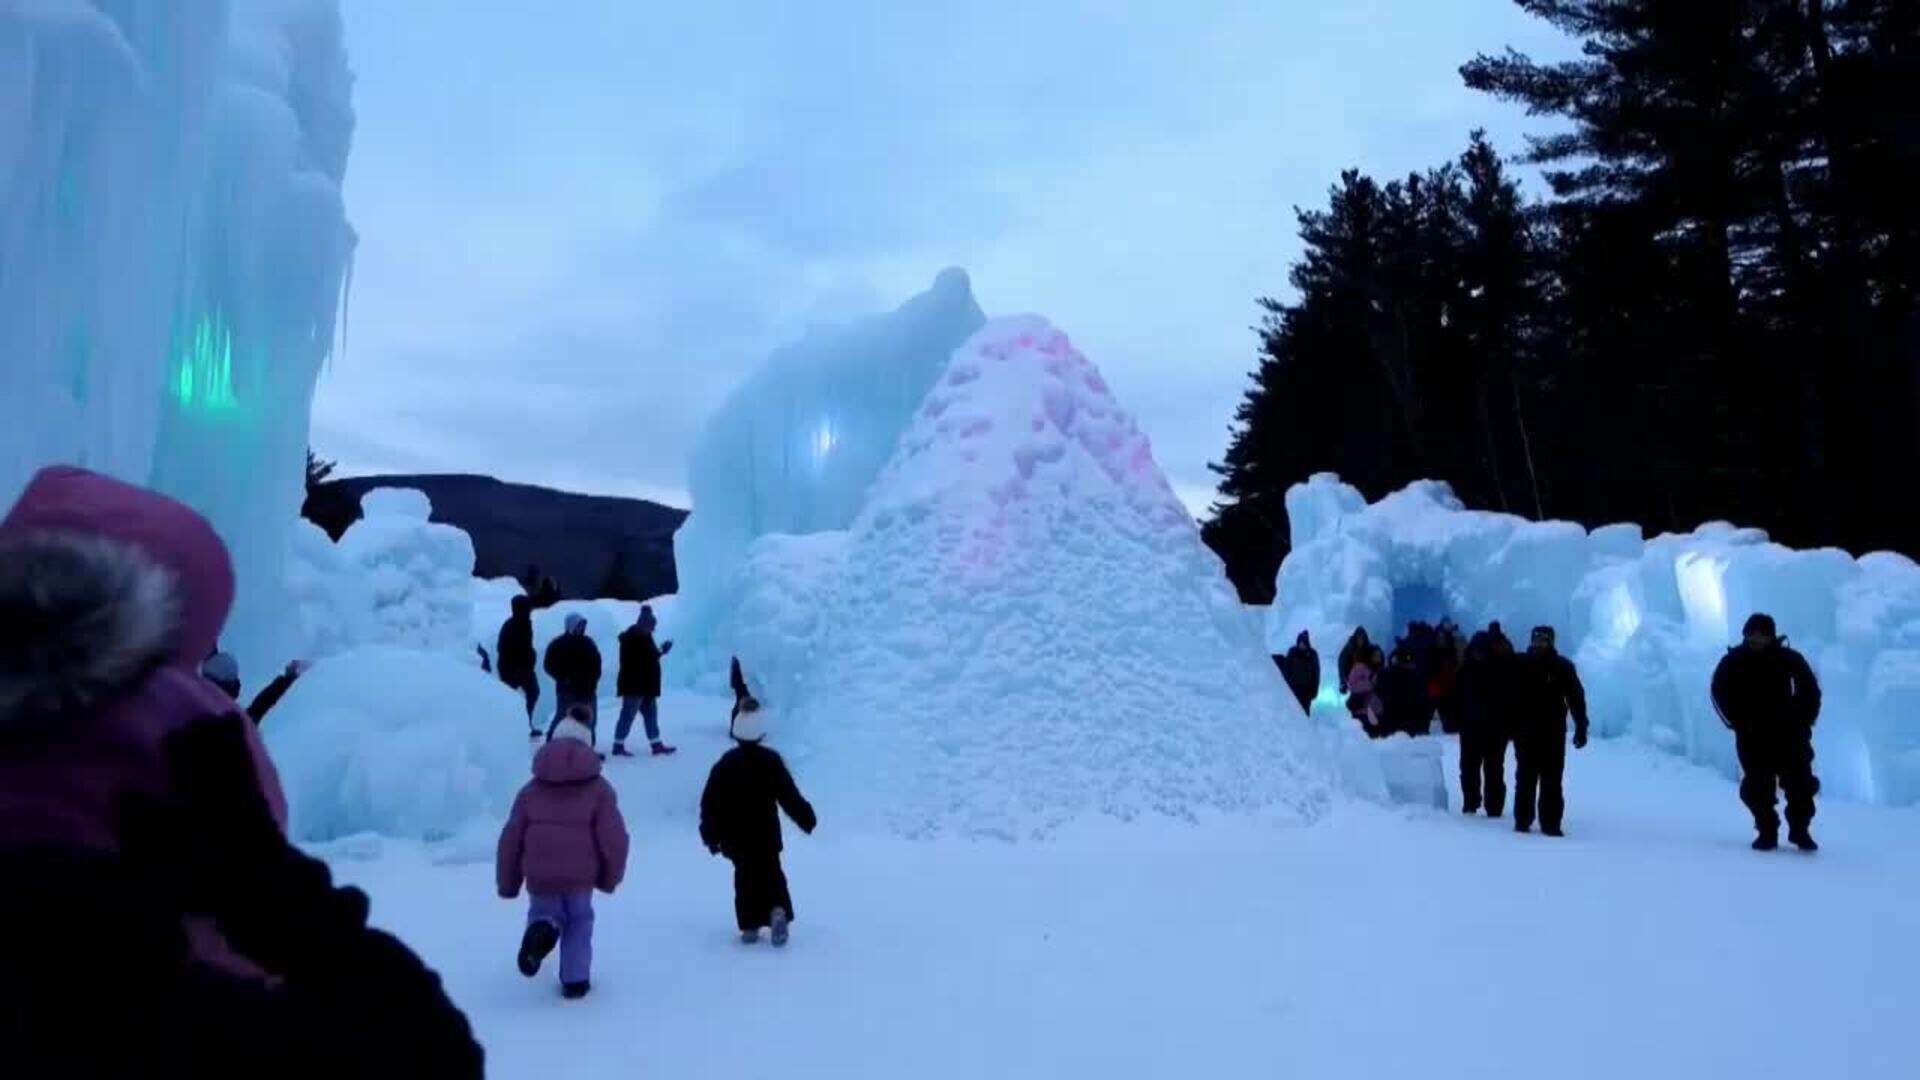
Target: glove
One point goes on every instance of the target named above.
(1580, 739)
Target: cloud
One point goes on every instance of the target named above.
(580, 229)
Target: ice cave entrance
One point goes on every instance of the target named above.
(1417, 602)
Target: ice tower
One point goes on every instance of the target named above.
(172, 250)
(793, 449)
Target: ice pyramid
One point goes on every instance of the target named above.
(1022, 625)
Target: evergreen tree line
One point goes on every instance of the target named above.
(1715, 313)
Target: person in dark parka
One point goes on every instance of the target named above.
(1545, 689)
(573, 663)
(1767, 694)
(1403, 694)
(1301, 668)
(1483, 697)
(639, 683)
(740, 819)
(1357, 648)
(514, 656)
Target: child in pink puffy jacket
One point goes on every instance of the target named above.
(564, 839)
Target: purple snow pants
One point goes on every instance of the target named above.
(572, 914)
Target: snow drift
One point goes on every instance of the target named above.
(1021, 625)
(396, 578)
(172, 250)
(397, 742)
(1646, 620)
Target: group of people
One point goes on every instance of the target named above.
(573, 662)
(1492, 696)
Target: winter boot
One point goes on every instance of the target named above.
(620, 750)
(1802, 839)
(1472, 807)
(1523, 826)
(780, 927)
(749, 937)
(1551, 830)
(535, 944)
(661, 749)
(575, 991)
(1766, 841)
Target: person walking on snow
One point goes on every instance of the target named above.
(1482, 694)
(1301, 668)
(1546, 687)
(1403, 695)
(564, 838)
(740, 819)
(639, 683)
(1767, 694)
(514, 657)
(573, 662)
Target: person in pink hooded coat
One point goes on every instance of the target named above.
(146, 881)
(564, 838)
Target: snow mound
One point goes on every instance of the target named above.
(397, 742)
(794, 448)
(420, 573)
(1022, 625)
(1645, 620)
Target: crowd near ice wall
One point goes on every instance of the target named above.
(173, 246)
(1645, 619)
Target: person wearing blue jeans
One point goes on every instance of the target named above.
(639, 683)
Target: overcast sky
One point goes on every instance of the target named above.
(579, 228)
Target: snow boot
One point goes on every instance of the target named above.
(1522, 827)
(575, 991)
(1766, 841)
(1472, 807)
(1802, 839)
(661, 749)
(779, 928)
(1551, 830)
(749, 937)
(620, 750)
(535, 945)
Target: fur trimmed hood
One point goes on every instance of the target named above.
(100, 583)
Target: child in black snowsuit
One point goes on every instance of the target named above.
(740, 818)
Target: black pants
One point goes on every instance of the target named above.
(529, 689)
(759, 886)
(1483, 769)
(1540, 763)
(1782, 759)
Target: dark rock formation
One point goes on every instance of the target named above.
(593, 546)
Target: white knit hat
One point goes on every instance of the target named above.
(750, 725)
(572, 729)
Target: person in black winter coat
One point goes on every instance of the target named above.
(1403, 693)
(1483, 696)
(1301, 668)
(639, 683)
(1545, 689)
(1767, 694)
(1357, 649)
(514, 656)
(740, 819)
(573, 663)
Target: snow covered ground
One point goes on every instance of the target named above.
(1374, 943)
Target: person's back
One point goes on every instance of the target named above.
(514, 657)
(573, 662)
(740, 819)
(149, 883)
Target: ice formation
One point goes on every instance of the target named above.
(398, 742)
(172, 250)
(1021, 625)
(1646, 620)
(794, 448)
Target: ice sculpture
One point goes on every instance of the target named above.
(1021, 626)
(1646, 620)
(794, 448)
(172, 250)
